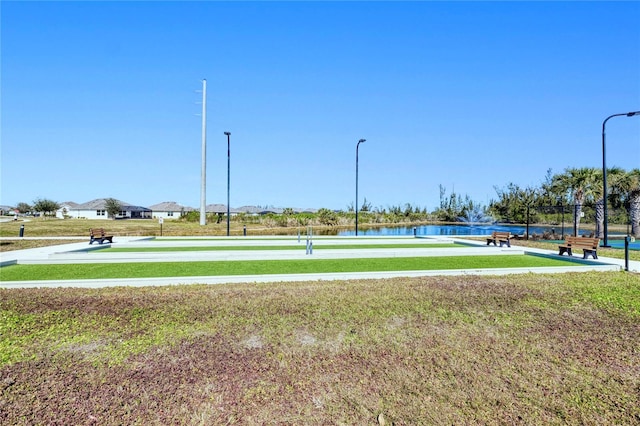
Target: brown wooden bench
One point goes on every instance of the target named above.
(98, 234)
(502, 237)
(589, 246)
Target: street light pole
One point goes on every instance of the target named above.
(605, 242)
(357, 146)
(228, 177)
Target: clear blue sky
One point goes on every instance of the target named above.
(99, 99)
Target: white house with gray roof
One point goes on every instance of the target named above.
(67, 209)
(97, 209)
(169, 210)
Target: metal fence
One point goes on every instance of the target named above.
(575, 219)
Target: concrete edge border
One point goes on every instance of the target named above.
(9, 262)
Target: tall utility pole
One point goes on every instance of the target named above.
(203, 174)
(228, 180)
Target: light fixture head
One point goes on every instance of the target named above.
(227, 133)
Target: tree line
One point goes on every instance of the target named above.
(573, 191)
(577, 188)
(49, 207)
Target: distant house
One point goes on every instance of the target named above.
(7, 211)
(216, 208)
(97, 209)
(251, 210)
(279, 210)
(169, 210)
(221, 209)
(272, 210)
(67, 209)
(255, 211)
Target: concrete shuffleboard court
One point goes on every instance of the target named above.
(211, 260)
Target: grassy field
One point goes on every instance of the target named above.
(266, 267)
(40, 227)
(530, 349)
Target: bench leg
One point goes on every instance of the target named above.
(587, 253)
(505, 242)
(564, 250)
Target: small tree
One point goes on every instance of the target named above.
(453, 206)
(327, 217)
(513, 202)
(47, 207)
(113, 207)
(626, 192)
(582, 184)
(366, 206)
(23, 208)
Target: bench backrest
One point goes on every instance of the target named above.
(583, 242)
(96, 231)
(501, 234)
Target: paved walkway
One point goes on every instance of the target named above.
(84, 253)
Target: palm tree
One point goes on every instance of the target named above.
(581, 184)
(615, 175)
(634, 202)
(627, 188)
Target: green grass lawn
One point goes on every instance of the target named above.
(317, 246)
(262, 267)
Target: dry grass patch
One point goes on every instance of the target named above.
(50, 227)
(532, 349)
(16, 244)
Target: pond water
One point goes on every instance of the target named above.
(452, 230)
(462, 230)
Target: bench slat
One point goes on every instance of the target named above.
(98, 234)
(502, 237)
(589, 246)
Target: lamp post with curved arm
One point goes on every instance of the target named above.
(605, 242)
(357, 146)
